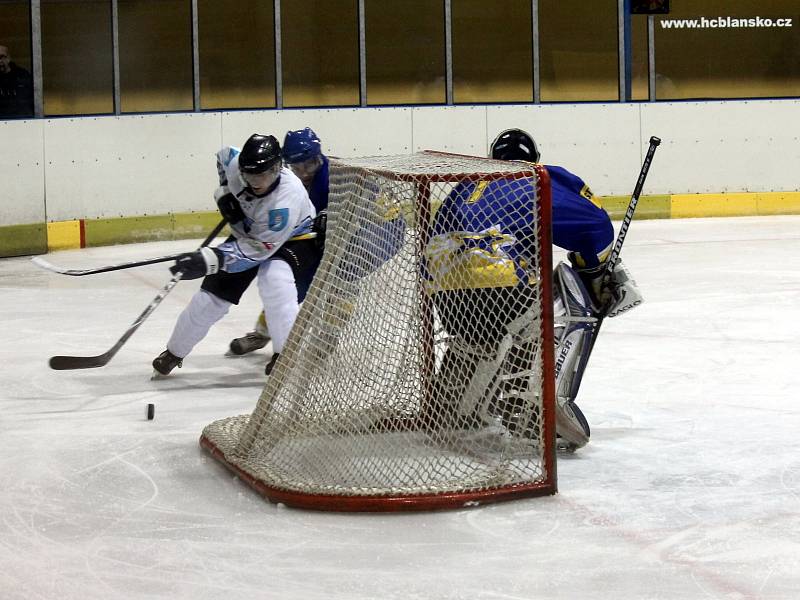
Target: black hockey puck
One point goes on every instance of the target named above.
(151, 411)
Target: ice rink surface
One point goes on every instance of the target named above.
(690, 487)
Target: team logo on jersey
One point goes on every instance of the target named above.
(587, 193)
(278, 218)
(477, 193)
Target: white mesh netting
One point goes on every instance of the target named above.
(415, 375)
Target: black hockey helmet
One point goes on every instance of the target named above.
(514, 144)
(259, 153)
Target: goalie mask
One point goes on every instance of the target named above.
(260, 163)
(514, 144)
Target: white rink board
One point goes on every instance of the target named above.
(343, 131)
(103, 167)
(599, 142)
(238, 126)
(21, 172)
(161, 163)
(457, 129)
(349, 132)
(712, 147)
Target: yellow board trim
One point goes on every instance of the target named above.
(22, 239)
(63, 235)
(734, 204)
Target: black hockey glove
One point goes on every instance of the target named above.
(194, 265)
(320, 226)
(230, 208)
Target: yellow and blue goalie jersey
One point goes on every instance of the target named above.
(484, 234)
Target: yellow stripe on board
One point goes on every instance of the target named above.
(63, 235)
(778, 203)
(735, 204)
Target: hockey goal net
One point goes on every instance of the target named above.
(419, 373)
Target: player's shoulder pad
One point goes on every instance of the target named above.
(227, 154)
(562, 174)
(288, 177)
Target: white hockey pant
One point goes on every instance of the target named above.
(194, 322)
(278, 292)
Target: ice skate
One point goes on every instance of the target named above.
(271, 363)
(247, 343)
(164, 363)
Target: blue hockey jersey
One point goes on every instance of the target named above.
(318, 191)
(484, 233)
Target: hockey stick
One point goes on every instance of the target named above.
(41, 262)
(612, 259)
(626, 221)
(65, 363)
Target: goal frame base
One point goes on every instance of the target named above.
(394, 503)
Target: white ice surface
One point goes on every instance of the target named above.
(690, 487)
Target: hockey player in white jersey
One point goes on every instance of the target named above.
(272, 219)
(302, 153)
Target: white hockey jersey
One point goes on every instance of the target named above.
(270, 220)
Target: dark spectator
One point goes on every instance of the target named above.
(16, 88)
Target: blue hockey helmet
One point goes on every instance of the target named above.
(514, 144)
(301, 145)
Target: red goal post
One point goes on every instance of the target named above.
(410, 382)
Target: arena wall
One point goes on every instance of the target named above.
(75, 182)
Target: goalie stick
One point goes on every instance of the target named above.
(65, 363)
(583, 360)
(612, 258)
(626, 221)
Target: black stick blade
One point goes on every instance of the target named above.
(69, 363)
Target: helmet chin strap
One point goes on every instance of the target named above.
(251, 194)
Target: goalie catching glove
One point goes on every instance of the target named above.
(194, 265)
(618, 296)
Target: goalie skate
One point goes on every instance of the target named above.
(571, 426)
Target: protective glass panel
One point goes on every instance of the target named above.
(639, 58)
(77, 60)
(155, 55)
(728, 49)
(236, 71)
(579, 50)
(319, 52)
(16, 83)
(490, 66)
(405, 52)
